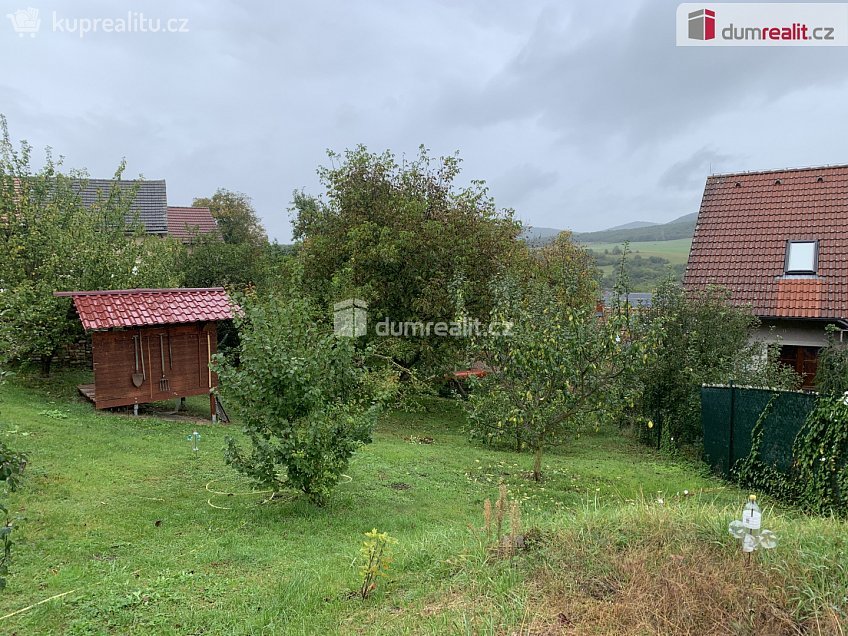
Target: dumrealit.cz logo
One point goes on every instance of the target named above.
(350, 318)
(702, 24)
(762, 24)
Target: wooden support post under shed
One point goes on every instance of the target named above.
(163, 337)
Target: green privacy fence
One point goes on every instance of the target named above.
(728, 416)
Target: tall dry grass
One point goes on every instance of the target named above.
(650, 568)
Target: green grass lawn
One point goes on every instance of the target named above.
(117, 512)
(676, 251)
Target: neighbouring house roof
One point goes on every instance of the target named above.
(150, 202)
(744, 225)
(100, 310)
(185, 224)
(634, 299)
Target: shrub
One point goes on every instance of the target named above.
(12, 466)
(818, 481)
(832, 370)
(306, 400)
(691, 339)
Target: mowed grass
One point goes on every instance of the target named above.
(676, 251)
(120, 513)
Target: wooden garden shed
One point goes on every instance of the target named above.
(150, 345)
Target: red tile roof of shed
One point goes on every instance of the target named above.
(99, 310)
(185, 223)
(743, 227)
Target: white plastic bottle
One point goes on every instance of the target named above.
(752, 518)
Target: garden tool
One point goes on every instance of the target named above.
(164, 384)
(137, 378)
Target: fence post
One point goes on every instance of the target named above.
(731, 426)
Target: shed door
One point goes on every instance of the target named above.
(185, 351)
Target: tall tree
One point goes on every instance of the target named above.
(237, 219)
(407, 239)
(563, 268)
(50, 240)
(557, 365)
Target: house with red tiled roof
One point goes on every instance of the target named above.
(777, 240)
(187, 224)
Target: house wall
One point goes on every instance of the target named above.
(806, 333)
(186, 363)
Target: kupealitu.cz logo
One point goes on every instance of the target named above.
(762, 24)
(28, 22)
(25, 22)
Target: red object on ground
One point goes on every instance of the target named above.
(464, 375)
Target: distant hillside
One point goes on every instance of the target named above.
(537, 236)
(681, 228)
(633, 225)
(657, 250)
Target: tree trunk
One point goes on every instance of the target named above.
(537, 464)
(46, 363)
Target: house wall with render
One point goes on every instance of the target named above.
(805, 333)
(800, 343)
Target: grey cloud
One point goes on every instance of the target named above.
(691, 172)
(520, 182)
(628, 79)
(580, 115)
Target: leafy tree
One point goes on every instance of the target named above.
(239, 267)
(50, 241)
(563, 268)
(303, 395)
(557, 367)
(237, 219)
(210, 263)
(404, 237)
(696, 338)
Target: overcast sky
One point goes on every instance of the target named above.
(579, 117)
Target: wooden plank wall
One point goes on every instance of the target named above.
(185, 364)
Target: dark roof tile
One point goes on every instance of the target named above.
(150, 203)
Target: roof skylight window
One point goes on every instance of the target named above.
(802, 257)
